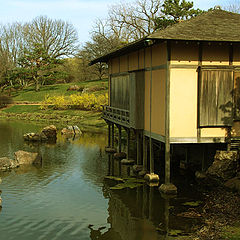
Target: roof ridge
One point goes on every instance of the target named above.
(202, 15)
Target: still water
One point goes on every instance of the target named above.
(67, 197)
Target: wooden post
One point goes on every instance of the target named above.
(138, 148)
(151, 204)
(109, 134)
(128, 143)
(109, 165)
(151, 177)
(167, 187)
(151, 157)
(144, 153)
(119, 168)
(145, 202)
(112, 135)
(166, 214)
(167, 117)
(119, 139)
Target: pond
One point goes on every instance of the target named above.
(68, 198)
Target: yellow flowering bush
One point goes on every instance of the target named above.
(84, 101)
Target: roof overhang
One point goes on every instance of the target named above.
(212, 26)
(146, 42)
(134, 46)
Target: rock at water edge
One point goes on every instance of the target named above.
(50, 132)
(27, 157)
(7, 163)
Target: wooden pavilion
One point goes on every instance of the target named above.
(179, 85)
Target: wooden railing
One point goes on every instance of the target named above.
(116, 115)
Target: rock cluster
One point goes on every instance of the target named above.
(74, 88)
(224, 170)
(48, 133)
(71, 130)
(224, 165)
(35, 137)
(6, 163)
(21, 158)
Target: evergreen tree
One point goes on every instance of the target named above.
(174, 11)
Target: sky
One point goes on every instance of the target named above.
(81, 13)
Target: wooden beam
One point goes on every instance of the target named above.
(167, 117)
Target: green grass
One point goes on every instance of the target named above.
(30, 95)
(28, 112)
(22, 109)
(64, 117)
(19, 109)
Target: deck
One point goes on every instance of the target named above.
(116, 115)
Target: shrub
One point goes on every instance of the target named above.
(5, 100)
(83, 101)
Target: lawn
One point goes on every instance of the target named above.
(30, 95)
(31, 112)
(61, 117)
(22, 109)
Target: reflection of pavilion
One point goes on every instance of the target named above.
(133, 213)
(132, 220)
(136, 214)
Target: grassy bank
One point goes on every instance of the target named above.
(27, 106)
(84, 119)
(30, 95)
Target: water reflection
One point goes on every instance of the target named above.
(59, 199)
(66, 197)
(142, 213)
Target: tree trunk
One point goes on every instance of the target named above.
(37, 87)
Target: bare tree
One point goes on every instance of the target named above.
(57, 37)
(11, 45)
(133, 21)
(101, 43)
(233, 6)
(12, 40)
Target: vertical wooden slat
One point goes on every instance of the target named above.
(120, 92)
(215, 103)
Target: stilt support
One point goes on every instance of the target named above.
(110, 148)
(139, 147)
(143, 172)
(151, 177)
(112, 144)
(168, 189)
(119, 139)
(109, 134)
(128, 142)
(127, 162)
